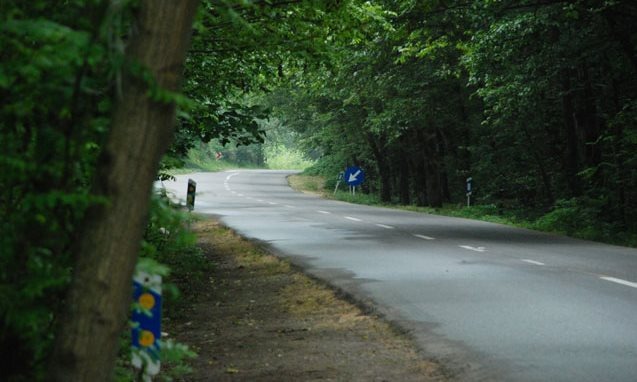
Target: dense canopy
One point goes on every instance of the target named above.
(536, 101)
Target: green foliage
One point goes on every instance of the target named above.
(203, 156)
(168, 250)
(169, 242)
(583, 218)
(535, 101)
(56, 69)
(279, 157)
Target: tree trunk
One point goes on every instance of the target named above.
(432, 173)
(590, 122)
(444, 179)
(403, 180)
(541, 166)
(418, 166)
(434, 187)
(404, 171)
(571, 159)
(382, 164)
(98, 303)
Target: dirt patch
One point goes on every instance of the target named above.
(259, 319)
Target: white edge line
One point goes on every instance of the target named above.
(324, 212)
(231, 175)
(424, 237)
(384, 226)
(352, 219)
(619, 281)
(533, 262)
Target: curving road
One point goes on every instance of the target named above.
(490, 301)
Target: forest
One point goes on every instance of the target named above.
(535, 100)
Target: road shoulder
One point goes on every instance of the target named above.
(259, 318)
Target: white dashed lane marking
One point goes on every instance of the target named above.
(384, 226)
(533, 262)
(619, 281)
(352, 219)
(475, 249)
(424, 237)
(324, 212)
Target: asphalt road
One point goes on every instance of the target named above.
(490, 301)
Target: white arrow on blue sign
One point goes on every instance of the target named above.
(354, 176)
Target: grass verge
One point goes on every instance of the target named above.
(567, 218)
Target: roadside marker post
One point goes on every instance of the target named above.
(469, 190)
(146, 324)
(190, 195)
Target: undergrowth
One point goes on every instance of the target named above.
(169, 249)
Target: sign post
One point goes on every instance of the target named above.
(339, 179)
(354, 176)
(146, 319)
(190, 196)
(469, 190)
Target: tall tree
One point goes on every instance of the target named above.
(107, 247)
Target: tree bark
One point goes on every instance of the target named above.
(98, 302)
(590, 122)
(434, 186)
(403, 181)
(571, 157)
(418, 166)
(382, 164)
(432, 172)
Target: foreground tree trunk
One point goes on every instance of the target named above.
(106, 252)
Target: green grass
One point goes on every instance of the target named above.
(279, 157)
(570, 218)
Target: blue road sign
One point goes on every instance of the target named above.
(354, 176)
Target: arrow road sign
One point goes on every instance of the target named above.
(354, 176)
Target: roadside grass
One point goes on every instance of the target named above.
(307, 183)
(565, 219)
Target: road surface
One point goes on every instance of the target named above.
(491, 302)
